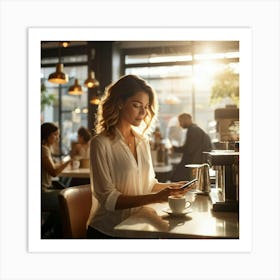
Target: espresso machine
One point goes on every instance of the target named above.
(225, 195)
(227, 123)
(224, 131)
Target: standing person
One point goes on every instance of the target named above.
(122, 174)
(197, 142)
(50, 169)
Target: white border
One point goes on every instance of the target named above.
(36, 35)
(262, 16)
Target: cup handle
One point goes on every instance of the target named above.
(188, 204)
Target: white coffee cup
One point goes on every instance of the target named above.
(75, 164)
(177, 203)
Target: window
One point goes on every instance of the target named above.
(70, 111)
(182, 81)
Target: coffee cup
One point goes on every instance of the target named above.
(177, 203)
(84, 163)
(75, 164)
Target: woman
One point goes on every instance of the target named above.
(80, 152)
(122, 175)
(81, 149)
(50, 169)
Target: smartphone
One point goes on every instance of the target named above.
(188, 185)
(66, 158)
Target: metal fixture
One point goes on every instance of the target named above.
(91, 82)
(95, 100)
(76, 89)
(58, 77)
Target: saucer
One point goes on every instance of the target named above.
(183, 213)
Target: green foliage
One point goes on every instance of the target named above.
(226, 84)
(46, 99)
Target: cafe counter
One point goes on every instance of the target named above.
(153, 221)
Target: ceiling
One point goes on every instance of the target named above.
(184, 45)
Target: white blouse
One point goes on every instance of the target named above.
(46, 178)
(114, 171)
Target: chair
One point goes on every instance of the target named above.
(75, 204)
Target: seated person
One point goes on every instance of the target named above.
(50, 169)
(81, 149)
(123, 178)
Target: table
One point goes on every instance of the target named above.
(151, 222)
(75, 173)
(161, 171)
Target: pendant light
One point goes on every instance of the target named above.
(95, 100)
(58, 77)
(65, 44)
(91, 82)
(75, 89)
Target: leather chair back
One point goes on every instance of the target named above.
(75, 204)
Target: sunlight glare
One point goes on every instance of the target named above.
(204, 73)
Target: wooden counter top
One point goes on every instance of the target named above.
(152, 222)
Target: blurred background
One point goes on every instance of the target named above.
(196, 77)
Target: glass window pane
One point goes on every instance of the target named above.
(150, 58)
(74, 108)
(65, 59)
(75, 58)
(182, 88)
(173, 85)
(49, 60)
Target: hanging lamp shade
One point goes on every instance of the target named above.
(65, 44)
(76, 89)
(58, 77)
(95, 100)
(91, 82)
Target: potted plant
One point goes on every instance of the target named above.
(225, 85)
(46, 99)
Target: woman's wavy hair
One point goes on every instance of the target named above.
(47, 129)
(116, 94)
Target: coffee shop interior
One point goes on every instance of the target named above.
(200, 78)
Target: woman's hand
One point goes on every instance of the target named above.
(176, 184)
(171, 189)
(160, 186)
(63, 165)
(162, 195)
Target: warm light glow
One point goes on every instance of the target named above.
(204, 73)
(170, 58)
(95, 100)
(65, 44)
(58, 77)
(207, 56)
(91, 82)
(76, 89)
(170, 99)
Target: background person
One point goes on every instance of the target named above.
(80, 152)
(50, 169)
(81, 149)
(122, 174)
(197, 142)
